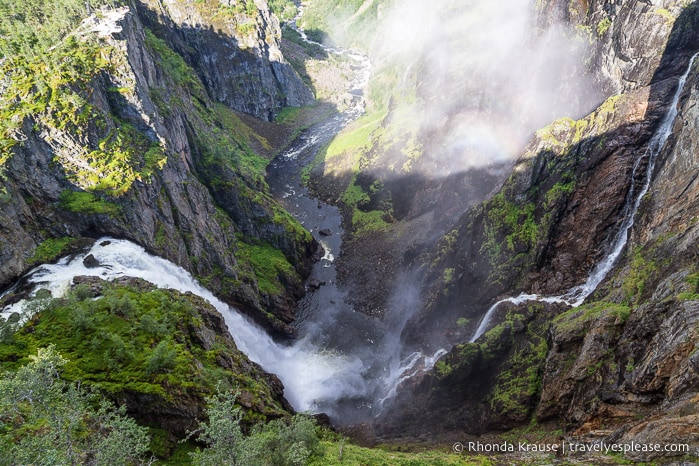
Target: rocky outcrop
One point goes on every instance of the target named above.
(179, 352)
(628, 38)
(235, 50)
(193, 192)
(629, 352)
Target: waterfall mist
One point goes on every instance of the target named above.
(477, 78)
(485, 74)
(343, 364)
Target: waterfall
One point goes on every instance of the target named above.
(308, 372)
(320, 370)
(577, 295)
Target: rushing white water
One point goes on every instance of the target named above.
(363, 71)
(409, 367)
(577, 295)
(308, 372)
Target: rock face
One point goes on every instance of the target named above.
(197, 194)
(234, 50)
(630, 351)
(164, 389)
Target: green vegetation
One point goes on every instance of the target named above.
(241, 15)
(296, 442)
(666, 15)
(268, 264)
(32, 27)
(578, 319)
(50, 250)
(277, 443)
(515, 225)
(48, 70)
(562, 134)
(136, 340)
(122, 157)
(82, 202)
(462, 358)
(43, 87)
(350, 23)
(349, 152)
(339, 453)
(357, 137)
(558, 192)
(496, 341)
(445, 247)
(693, 293)
(174, 65)
(640, 271)
(44, 420)
(462, 321)
(513, 221)
(47, 420)
(448, 275)
(603, 25)
(521, 381)
(284, 9)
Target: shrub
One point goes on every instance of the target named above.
(163, 358)
(44, 420)
(277, 443)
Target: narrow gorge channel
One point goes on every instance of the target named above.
(352, 231)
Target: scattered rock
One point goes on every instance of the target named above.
(11, 298)
(91, 262)
(314, 284)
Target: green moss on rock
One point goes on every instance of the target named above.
(134, 342)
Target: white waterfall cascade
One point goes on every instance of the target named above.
(577, 295)
(308, 373)
(408, 367)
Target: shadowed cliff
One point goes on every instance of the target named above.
(543, 232)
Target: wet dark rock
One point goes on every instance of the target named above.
(11, 298)
(325, 232)
(175, 213)
(323, 420)
(314, 283)
(91, 262)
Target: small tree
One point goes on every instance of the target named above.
(222, 434)
(44, 420)
(277, 443)
(163, 358)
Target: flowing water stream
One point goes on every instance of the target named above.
(577, 295)
(343, 362)
(308, 372)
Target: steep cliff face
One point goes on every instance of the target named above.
(628, 38)
(646, 362)
(134, 147)
(630, 350)
(235, 50)
(158, 352)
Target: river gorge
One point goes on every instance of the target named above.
(417, 223)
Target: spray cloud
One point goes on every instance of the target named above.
(483, 75)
